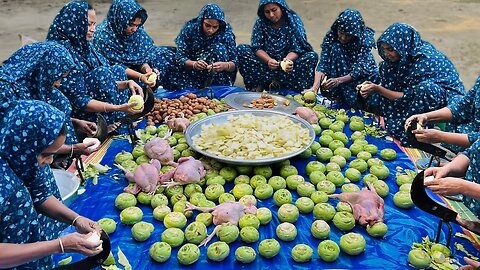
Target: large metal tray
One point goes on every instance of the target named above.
(239, 99)
(196, 128)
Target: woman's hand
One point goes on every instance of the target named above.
(330, 83)
(83, 148)
(447, 186)
(437, 172)
(422, 120)
(200, 65)
(85, 225)
(273, 64)
(76, 242)
(428, 135)
(367, 88)
(144, 78)
(145, 68)
(128, 108)
(135, 88)
(86, 127)
(219, 66)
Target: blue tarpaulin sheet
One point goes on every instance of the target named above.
(390, 252)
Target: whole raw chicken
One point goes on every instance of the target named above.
(146, 177)
(177, 124)
(368, 207)
(307, 114)
(188, 170)
(159, 148)
(225, 213)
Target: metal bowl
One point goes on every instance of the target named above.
(196, 128)
(67, 184)
(239, 99)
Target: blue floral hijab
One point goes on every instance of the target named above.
(110, 38)
(350, 21)
(69, 28)
(192, 40)
(33, 69)
(28, 128)
(419, 61)
(263, 25)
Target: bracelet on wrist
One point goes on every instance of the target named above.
(71, 151)
(75, 219)
(61, 245)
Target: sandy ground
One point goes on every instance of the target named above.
(448, 24)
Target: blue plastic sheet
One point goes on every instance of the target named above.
(404, 226)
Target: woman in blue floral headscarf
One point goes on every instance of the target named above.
(34, 72)
(206, 50)
(415, 78)
(346, 59)
(122, 39)
(93, 86)
(31, 132)
(278, 34)
(465, 113)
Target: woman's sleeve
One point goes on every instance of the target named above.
(258, 38)
(43, 186)
(182, 42)
(463, 109)
(324, 63)
(231, 46)
(75, 89)
(420, 86)
(364, 66)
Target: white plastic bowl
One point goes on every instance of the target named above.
(68, 185)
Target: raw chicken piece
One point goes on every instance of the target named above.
(189, 170)
(308, 114)
(368, 207)
(177, 124)
(159, 148)
(145, 177)
(225, 213)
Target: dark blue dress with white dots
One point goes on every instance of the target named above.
(28, 128)
(473, 153)
(93, 77)
(193, 44)
(133, 50)
(427, 78)
(30, 73)
(466, 111)
(277, 43)
(354, 58)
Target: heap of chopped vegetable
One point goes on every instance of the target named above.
(440, 259)
(253, 137)
(93, 170)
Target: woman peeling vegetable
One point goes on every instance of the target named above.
(122, 39)
(415, 78)
(278, 37)
(93, 85)
(463, 112)
(206, 53)
(35, 72)
(31, 133)
(346, 59)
